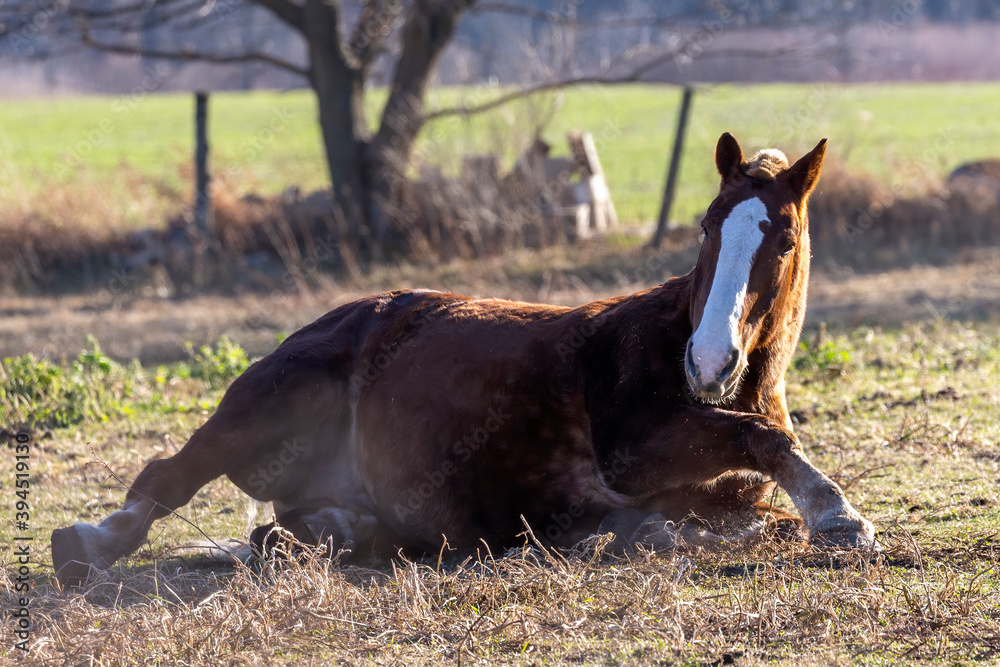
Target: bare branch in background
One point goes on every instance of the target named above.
(635, 75)
(118, 12)
(568, 20)
(193, 55)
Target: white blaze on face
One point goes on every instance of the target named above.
(718, 333)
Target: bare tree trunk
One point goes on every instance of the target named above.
(429, 27)
(340, 96)
(366, 176)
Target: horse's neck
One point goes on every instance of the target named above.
(764, 387)
(645, 322)
(669, 305)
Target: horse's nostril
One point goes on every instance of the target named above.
(692, 369)
(730, 367)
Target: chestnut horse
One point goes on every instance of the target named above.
(413, 416)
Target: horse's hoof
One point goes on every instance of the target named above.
(632, 528)
(656, 533)
(69, 557)
(848, 533)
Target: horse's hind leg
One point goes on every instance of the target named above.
(162, 486)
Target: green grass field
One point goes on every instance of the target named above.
(903, 135)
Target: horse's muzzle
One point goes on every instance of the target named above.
(716, 386)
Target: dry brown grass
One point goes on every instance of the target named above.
(858, 223)
(53, 234)
(915, 602)
(904, 419)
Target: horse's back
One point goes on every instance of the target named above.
(286, 424)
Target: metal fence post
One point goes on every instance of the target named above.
(202, 198)
(663, 223)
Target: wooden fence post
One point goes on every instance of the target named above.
(663, 223)
(202, 200)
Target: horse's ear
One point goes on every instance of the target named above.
(728, 157)
(804, 174)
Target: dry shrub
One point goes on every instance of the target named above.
(857, 223)
(294, 241)
(474, 215)
(55, 236)
(78, 239)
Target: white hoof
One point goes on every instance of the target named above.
(75, 552)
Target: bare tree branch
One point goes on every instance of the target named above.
(192, 55)
(139, 7)
(118, 19)
(533, 90)
(571, 21)
(61, 18)
(633, 76)
(691, 19)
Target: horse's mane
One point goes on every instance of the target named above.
(766, 164)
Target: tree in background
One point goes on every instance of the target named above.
(343, 39)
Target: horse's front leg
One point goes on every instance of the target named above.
(701, 443)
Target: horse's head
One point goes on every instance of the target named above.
(754, 263)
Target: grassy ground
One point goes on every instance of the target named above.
(898, 402)
(904, 417)
(134, 152)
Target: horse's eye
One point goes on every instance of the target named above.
(787, 251)
(704, 231)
